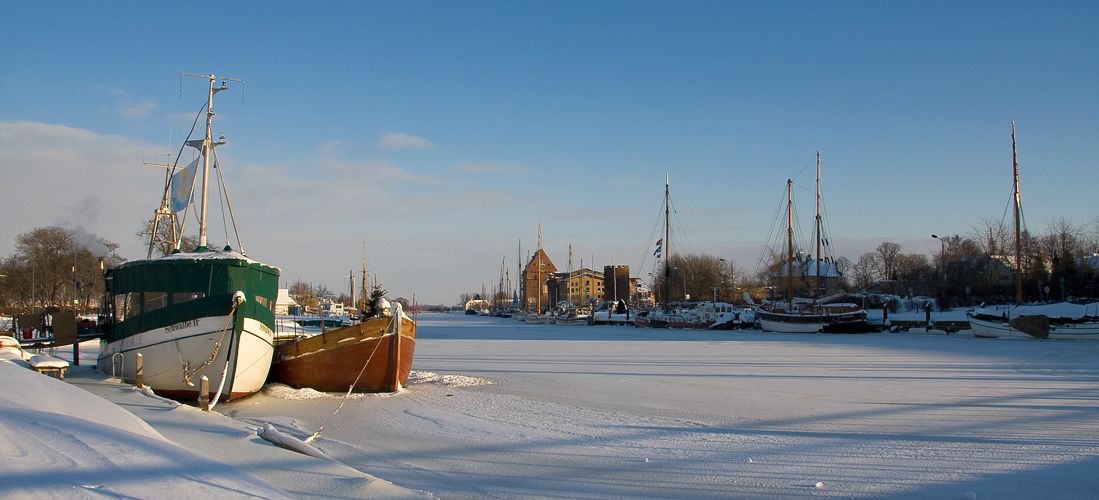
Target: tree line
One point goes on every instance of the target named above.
(56, 267)
(1060, 263)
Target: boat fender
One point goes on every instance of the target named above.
(707, 316)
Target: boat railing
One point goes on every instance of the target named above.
(121, 364)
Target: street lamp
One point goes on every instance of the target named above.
(942, 255)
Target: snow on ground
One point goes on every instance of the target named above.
(94, 437)
(501, 409)
(619, 412)
(59, 441)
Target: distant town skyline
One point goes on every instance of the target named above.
(440, 135)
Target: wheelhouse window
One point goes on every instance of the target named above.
(181, 297)
(155, 300)
(263, 301)
(120, 307)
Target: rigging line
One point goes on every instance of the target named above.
(221, 202)
(169, 171)
(768, 243)
(679, 223)
(656, 227)
(805, 167)
(392, 324)
(229, 205)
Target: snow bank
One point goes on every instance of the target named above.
(422, 377)
(58, 441)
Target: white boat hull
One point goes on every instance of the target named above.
(172, 357)
(574, 321)
(782, 327)
(1064, 331)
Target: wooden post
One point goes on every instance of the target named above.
(139, 373)
(204, 393)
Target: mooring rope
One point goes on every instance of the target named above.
(392, 324)
(217, 347)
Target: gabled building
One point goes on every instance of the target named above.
(534, 293)
(805, 277)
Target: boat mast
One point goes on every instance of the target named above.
(667, 243)
(568, 281)
(1018, 243)
(790, 241)
(539, 254)
(363, 296)
(818, 287)
(207, 146)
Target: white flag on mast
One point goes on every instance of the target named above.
(181, 187)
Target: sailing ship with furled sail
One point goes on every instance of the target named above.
(815, 314)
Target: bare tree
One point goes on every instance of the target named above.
(165, 235)
(55, 267)
(843, 267)
(886, 258)
(864, 271)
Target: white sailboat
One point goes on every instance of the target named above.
(1064, 320)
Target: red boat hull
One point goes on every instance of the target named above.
(369, 355)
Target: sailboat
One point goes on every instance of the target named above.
(571, 315)
(203, 313)
(539, 316)
(815, 315)
(1063, 320)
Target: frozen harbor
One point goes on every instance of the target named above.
(615, 412)
(500, 409)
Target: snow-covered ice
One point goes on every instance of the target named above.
(501, 409)
(619, 412)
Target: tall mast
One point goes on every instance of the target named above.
(667, 243)
(1018, 243)
(790, 241)
(207, 146)
(568, 281)
(817, 292)
(363, 296)
(539, 254)
(520, 276)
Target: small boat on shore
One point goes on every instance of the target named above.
(1060, 321)
(572, 317)
(374, 355)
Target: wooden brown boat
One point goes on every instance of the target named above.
(373, 356)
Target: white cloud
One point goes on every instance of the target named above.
(491, 168)
(403, 141)
(139, 110)
(126, 107)
(58, 175)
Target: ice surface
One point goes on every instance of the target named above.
(619, 412)
(500, 409)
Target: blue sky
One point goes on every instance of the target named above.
(442, 133)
